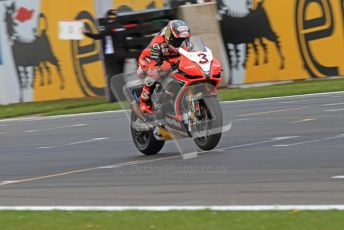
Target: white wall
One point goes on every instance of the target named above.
(25, 31)
(2, 85)
(102, 6)
(202, 20)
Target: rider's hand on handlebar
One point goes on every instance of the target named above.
(174, 62)
(166, 66)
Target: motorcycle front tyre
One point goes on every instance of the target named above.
(210, 142)
(145, 141)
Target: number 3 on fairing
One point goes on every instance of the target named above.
(203, 59)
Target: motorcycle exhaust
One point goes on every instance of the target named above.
(162, 134)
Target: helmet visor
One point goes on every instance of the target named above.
(176, 42)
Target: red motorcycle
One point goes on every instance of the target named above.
(184, 101)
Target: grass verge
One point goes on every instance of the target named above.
(132, 220)
(59, 107)
(98, 104)
(295, 88)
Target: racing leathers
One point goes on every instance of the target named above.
(155, 58)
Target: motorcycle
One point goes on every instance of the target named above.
(184, 102)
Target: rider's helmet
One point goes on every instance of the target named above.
(177, 31)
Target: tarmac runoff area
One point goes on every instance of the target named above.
(280, 153)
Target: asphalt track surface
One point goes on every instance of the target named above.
(287, 151)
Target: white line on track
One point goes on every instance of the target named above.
(7, 182)
(74, 143)
(334, 110)
(312, 141)
(60, 116)
(245, 119)
(285, 97)
(55, 128)
(333, 104)
(4, 183)
(303, 120)
(133, 163)
(289, 102)
(338, 177)
(260, 142)
(298, 101)
(191, 155)
(272, 111)
(220, 150)
(177, 208)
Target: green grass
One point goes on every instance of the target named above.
(296, 88)
(281, 220)
(68, 106)
(73, 106)
(103, 106)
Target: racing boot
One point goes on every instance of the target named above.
(145, 107)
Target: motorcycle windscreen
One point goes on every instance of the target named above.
(189, 114)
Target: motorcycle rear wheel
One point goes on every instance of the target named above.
(209, 142)
(145, 141)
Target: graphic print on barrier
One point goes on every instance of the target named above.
(342, 6)
(269, 40)
(85, 54)
(70, 55)
(250, 26)
(131, 5)
(316, 22)
(39, 66)
(35, 54)
(312, 28)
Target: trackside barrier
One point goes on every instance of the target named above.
(36, 65)
(262, 41)
(269, 40)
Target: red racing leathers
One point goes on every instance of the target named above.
(156, 57)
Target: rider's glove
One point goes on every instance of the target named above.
(166, 66)
(174, 61)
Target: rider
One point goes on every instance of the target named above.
(158, 56)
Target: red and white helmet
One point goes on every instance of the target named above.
(177, 31)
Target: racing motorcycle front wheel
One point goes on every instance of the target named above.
(211, 128)
(145, 141)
